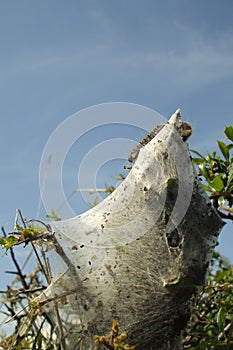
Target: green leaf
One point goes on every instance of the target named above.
(204, 171)
(37, 228)
(197, 153)
(96, 201)
(221, 316)
(10, 241)
(230, 188)
(224, 176)
(230, 178)
(2, 241)
(197, 161)
(229, 132)
(221, 275)
(210, 157)
(207, 188)
(28, 231)
(54, 216)
(221, 201)
(217, 183)
(224, 149)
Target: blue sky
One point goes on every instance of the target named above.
(58, 57)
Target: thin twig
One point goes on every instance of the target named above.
(19, 272)
(27, 260)
(60, 327)
(37, 236)
(224, 207)
(25, 291)
(90, 190)
(47, 226)
(34, 347)
(48, 162)
(41, 264)
(21, 217)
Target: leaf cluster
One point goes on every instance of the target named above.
(216, 172)
(28, 231)
(31, 327)
(114, 341)
(211, 323)
(22, 235)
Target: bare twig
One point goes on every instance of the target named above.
(25, 291)
(89, 190)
